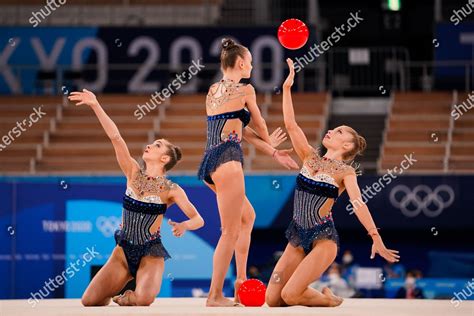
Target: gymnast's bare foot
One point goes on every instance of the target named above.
(334, 300)
(123, 300)
(221, 302)
(237, 285)
(116, 298)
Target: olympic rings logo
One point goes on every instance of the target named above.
(422, 199)
(107, 225)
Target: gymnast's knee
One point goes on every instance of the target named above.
(231, 232)
(248, 218)
(289, 296)
(87, 300)
(272, 300)
(144, 299)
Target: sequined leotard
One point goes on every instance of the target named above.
(139, 213)
(314, 186)
(221, 148)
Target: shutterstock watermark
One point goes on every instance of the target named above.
(176, 84)
(462, 296)
(379, 185)
(339, 32)
(38, 16)
(460, 109)
(52, 284)
(16, 131)
(464, 12)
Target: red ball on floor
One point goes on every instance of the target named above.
(252, 292)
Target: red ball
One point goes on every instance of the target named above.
(252, 292)
(293, 34)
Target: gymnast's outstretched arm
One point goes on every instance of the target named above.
(125, 160)
(281, 156)
(363, 214)
(297, 136)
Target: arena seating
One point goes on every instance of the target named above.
(419, 123)
(16, 157)
(113, 12)
(462, 149)
(70, 139)
(114, 2)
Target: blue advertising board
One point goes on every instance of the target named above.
(49, 226)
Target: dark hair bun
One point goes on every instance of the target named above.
(178, 153)
(227, 43)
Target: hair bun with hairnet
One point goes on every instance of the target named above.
(227, 43)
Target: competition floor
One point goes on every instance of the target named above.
(195, 306)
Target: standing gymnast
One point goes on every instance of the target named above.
(230, 105)
(139, 252)
(312, 238)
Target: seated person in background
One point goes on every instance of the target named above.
(335, 282)
(394, 270)
(348, 267)
(410, 290)
(254, 273)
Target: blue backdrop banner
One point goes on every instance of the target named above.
(53, 226)
(115, 59)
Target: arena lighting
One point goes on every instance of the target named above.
(394, 5)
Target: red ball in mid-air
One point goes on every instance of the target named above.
(252, 292)
(293, 34)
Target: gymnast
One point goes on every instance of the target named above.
(139, 253)
(313, 241)
(230, 106)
